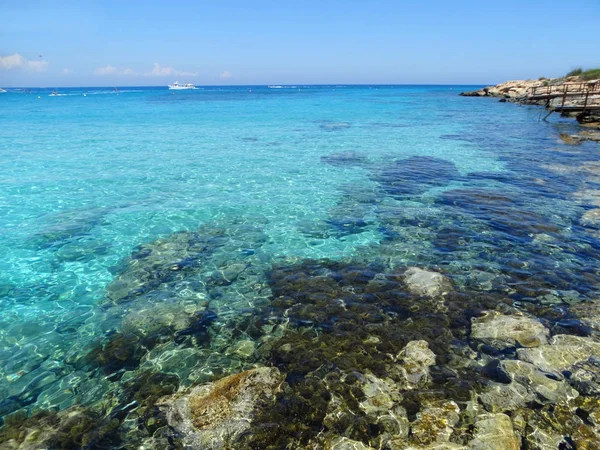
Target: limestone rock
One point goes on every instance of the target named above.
(500, 331)
(546, 390)
(381, 395)
(494, 432)
(561, 353)
(415, 360)
(499, 397)
(427, 283)
(216, 415)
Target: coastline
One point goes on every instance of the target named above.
(522, 92)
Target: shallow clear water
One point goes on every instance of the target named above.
(377, 173)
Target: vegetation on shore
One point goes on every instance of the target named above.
(589, 74)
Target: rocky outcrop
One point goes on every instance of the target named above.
(511, 90)
(216, 415)
(427, 283)
(500, 331)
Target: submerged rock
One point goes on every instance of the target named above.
(545, 390)
(427, 283)
(415, 175)
(216, 415)
(415, 360)
(494, 432)
(435, 422)
(500, 331)
(562, 353)
(349, 158)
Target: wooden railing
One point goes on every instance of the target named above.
(566, 88)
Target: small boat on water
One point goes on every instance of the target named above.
(180, 86)
(2, 90)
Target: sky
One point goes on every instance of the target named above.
(245, 42)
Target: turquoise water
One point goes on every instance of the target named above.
(372, 173)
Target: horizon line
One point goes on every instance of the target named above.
(253, 85)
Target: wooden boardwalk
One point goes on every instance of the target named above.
(568, 97)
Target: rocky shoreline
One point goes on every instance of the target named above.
(518, 91)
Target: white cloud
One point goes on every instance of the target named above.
(226, 74)
(112, 70)
(17, 61)
(66, 71)
(106, 70)
(160, 71)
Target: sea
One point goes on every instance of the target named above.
(145, 233)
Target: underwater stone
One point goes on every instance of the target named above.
(494, 432)
(216, 415)
(381, 395)
(415, 175)
(562, 353)
(591, 218)
(500, 331)
(585, 376)
(344, 443)
(427, 283)
(349, 158)
(415, 360)
(545, 390)
(435, 422)
(500, 397)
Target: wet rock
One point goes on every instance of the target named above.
(216, 415)
(591, 218)
(500, 331)
(427, 283)
(545, 390)
(494, 432)
(344, 443)
(349, 158)
(415, 175)
(435, 422)
(380, 395)
(561, 353)
(415, 360)
(499, 397)
(585, 376)
(571, 139)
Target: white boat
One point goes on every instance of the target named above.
(2, 90)
(180, 86)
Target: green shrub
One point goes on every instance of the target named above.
(591, 74)
(575, 72)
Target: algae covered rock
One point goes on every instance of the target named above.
(500, 331)
(494, 432)
(216, 415)
(435, 422)
(427, 283)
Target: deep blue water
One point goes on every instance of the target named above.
(400, 175)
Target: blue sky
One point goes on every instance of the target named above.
(108, 43)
